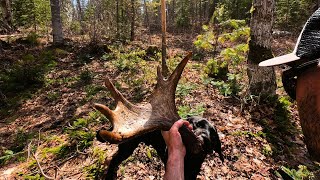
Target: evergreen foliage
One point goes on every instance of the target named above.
(291, 15)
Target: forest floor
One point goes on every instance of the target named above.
(52, 124)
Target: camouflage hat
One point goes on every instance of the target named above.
(307, 46)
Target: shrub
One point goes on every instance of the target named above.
(75, 27)
(229, 87)
(216, 69)
(86, 76)
(183, 111)
(32, 38)
(24, 74)
(300, 174)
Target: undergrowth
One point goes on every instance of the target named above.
(224, 70)
(22, 78)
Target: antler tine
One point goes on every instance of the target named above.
(110, 136)
(175, 76)
(117, 95)
(159, 113)
(105, 111)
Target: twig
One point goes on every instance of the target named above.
(80, 151)
(29, 150)
(71, 157)
(38, 163)
(41, 170)
(56, 172)
(39, 137)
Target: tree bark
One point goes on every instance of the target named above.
(117, 19)
(7, 14)
(56, 22)
(80, 17)
(146, 16)
(165, 70)
(173, 12)
(147, 22)
(262, 79)
(212, 8)
(200, 13)
(132, 20)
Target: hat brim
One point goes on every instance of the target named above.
(280, 60)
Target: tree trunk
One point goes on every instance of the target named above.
(287, 13)
(146, 16)
(200, 13)
(7, 14)
(34, 18)
(147, 19)
(56, 22)
(132, 20)
(80, 17)
(212, 8)
(117, 17)
(206, 10)
(173, 12)
(165, 70)
(262, 79)
(191, 8)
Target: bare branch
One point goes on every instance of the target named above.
(41, 170)
(29, 150)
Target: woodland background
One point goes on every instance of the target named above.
(54, 56)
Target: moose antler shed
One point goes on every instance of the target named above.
(132, 124)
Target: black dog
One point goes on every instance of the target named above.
(201, 127)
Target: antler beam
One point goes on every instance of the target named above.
(129, 120)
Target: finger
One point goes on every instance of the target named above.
(178, 124)
(190, 127)
(165, 134)
(186, 123)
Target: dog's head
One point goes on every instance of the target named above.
(207, 133)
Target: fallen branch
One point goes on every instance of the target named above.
(38, 163)
(29, 150)
(83, 153)
(41, 170)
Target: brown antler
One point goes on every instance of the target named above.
(129, 120)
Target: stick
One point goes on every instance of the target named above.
(164, 67)
(29, 150)
(41, 170)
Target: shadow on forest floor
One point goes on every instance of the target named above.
(280, 128)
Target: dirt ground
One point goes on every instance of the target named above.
(256, 140)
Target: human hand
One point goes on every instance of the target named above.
(173, 139)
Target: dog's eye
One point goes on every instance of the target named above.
(201, 124)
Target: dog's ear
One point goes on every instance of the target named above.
(190, 118)
(214, 137)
